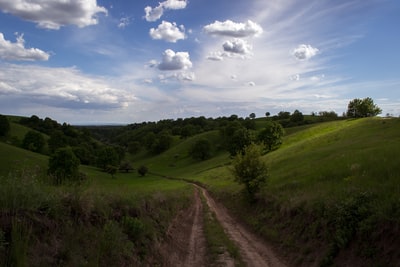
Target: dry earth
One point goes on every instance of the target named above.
(186, 242)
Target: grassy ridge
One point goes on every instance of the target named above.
(332, 194)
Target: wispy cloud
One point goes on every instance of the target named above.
(61, 87)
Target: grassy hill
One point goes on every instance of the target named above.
(333, 193)
(332, 197)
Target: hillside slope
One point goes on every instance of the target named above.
(333, 194)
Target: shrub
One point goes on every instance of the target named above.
(63, 165)
(250, 170)
(142, 170)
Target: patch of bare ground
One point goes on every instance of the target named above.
(254, 252)
(185, 244)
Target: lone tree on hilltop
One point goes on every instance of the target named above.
(360, 108)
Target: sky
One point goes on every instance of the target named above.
(118, 62)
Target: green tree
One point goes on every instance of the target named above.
(162, 143)
(271, 135)
(252, 115)
(250, 170)
(112, 170)
(107, 156)
(126, 166)
(201, 149)
(297, 116)
(57, 140)
(134, 147)
(142, 170)
(4, 125)
(63, 165)
(33, 141)
(240, 139)
(360, 108)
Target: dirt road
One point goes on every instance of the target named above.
(187, 244)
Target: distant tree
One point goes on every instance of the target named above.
(328, 115)
(359, 108)
(33, 141)
(201, 149)
(126, 166)
(4, 125)
(63, 165)
(252, 116)
(162, 143)
(142, 170)
(107, 156)
(112, 170)
(149, 140)
(57, 140)
(134, 147)
(297, 116)
(267, 114)
(240, 139)
(249, 124)
(249, 169)
(282, 115)
(271, 135)
(187, 131)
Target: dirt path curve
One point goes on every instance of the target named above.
(253, 251)
(186, 245)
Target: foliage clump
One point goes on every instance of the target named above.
(4, 125)
(360, 108)
(201, 150)
(250, 170)
(63, 166)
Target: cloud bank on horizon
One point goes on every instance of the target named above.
(112, 61)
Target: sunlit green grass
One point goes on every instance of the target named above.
(327, 160)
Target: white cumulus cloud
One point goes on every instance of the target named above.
(17, 50)
(52, 14)
(237, 46)
(174, 4)
(175, 61)
(304, 52)
(153, 14)
(233, 29)
(168, 31)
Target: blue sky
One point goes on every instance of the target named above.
(89, 62)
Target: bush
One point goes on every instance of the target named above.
(142, 170)
(201, 150)
(63, 165)
(250, 170)
(4, 125)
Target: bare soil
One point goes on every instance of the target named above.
(186, 242)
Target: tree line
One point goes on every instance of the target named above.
(106, 146)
